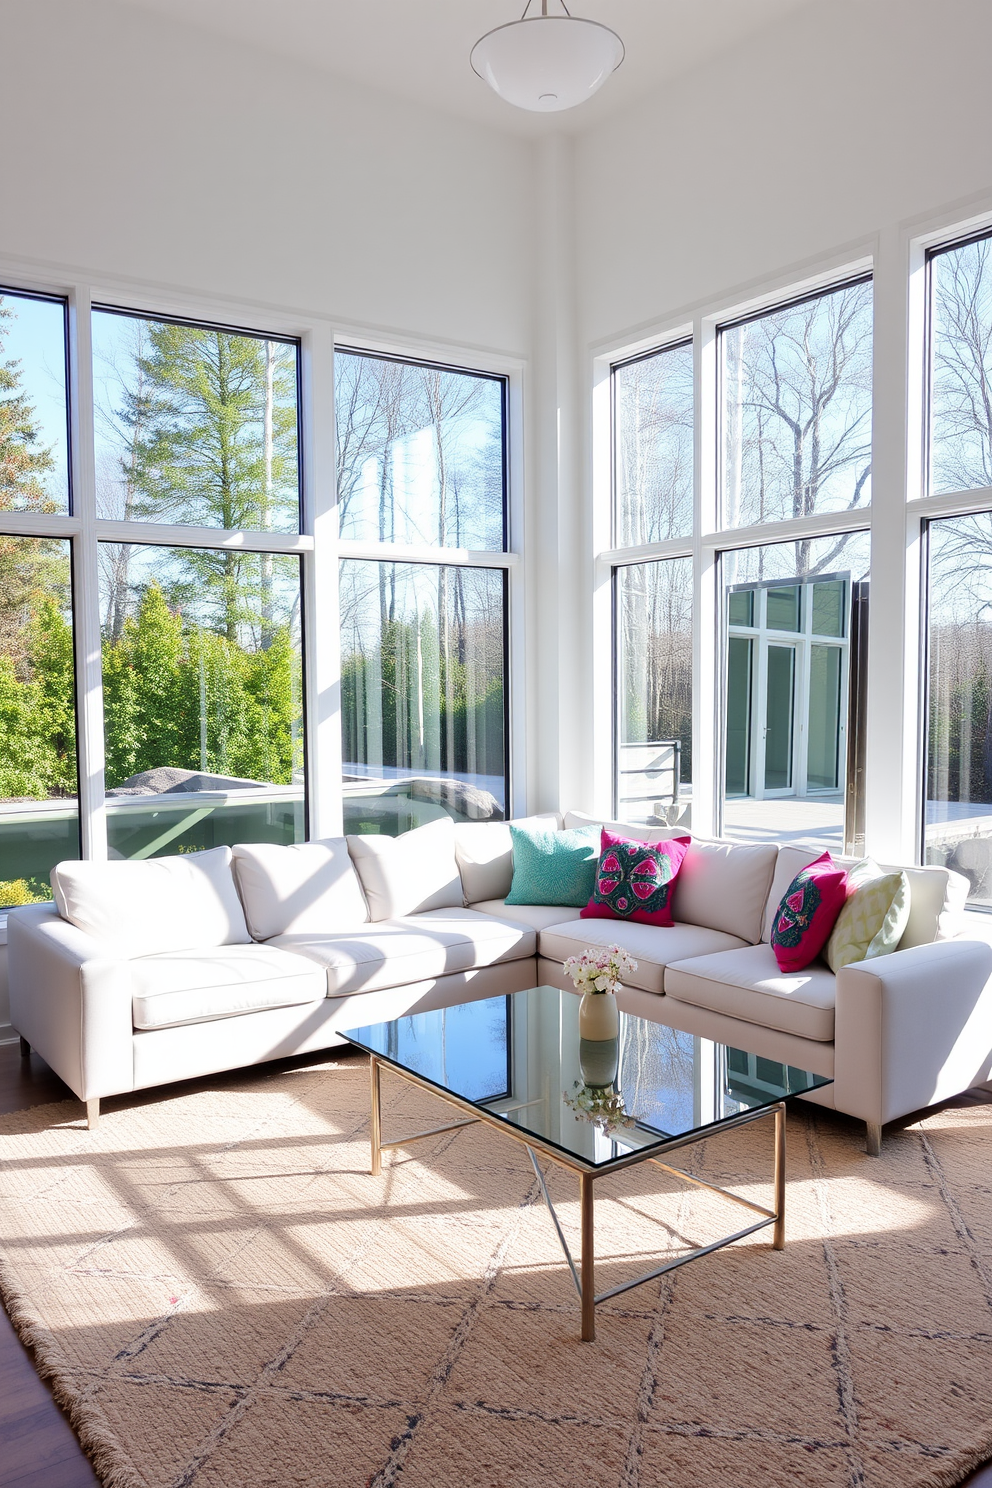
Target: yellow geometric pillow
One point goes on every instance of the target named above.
(874, 916)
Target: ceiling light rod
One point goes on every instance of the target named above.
(547, 63)
(544, 8)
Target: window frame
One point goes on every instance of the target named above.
(678, 344)
(750, 318)
(507, 559)
(317, 543)
(710, 539)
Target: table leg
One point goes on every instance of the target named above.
(588, 1260)
(375, 1127)
(778, 1233)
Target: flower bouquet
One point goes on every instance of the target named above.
(597, 973)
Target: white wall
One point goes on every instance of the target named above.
(140, 148)
(844, 119)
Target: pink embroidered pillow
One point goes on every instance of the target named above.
(808, 913)
(634, 880)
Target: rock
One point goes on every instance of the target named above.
(973, 858)
(455, 795)
(169, 779)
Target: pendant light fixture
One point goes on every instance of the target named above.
(547, 63)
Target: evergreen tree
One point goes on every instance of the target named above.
(215, 445)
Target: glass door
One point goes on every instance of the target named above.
(780, 709)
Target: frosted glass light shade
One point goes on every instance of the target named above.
(547, 63)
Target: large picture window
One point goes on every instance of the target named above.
(39, 816)
(958, 807)
(421, 453)
(652, 441)
(203, 709)
(796, 615)
(422, 463)
(196, 425)
(797, 408)
(960, 440)
(654, 691)
(423, 703)
(34, 410)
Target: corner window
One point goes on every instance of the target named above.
(957, 824)
(796, 397)
(960, 432)
(653, 625)
(653, 446)
(796, 629)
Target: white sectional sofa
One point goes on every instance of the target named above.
(151, 972)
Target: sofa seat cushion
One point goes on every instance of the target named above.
(653, 947)
(747, 984)
(417, 948)
(198, 986)
(537, 916)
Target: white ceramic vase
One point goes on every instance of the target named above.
(599, 1016)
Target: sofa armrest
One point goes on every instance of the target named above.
(71, 1001)
(912, 1029)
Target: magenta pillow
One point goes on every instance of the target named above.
(634, 880)
(808, 913)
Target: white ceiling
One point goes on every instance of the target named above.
(418, 49)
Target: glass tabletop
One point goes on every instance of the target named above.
(519, 1057)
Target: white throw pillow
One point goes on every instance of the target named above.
(409, 874)
(159, 904)
(307, 888)
(484, 853)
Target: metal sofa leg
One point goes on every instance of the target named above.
(873, 1138)
(25, 1049)
(93, 1113)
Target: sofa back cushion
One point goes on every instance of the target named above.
(721, 885)
(724, 886)
(484, 853)
(409, 874)
(637, 832)
(937, 896)
(158, 905)
(308, 888)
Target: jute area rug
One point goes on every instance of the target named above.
(223, 1296)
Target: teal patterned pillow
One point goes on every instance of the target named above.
(552, 867)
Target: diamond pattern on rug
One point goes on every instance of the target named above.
(225, 1298)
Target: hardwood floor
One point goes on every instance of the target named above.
(38, 1448)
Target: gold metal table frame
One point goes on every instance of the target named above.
(584, 1275)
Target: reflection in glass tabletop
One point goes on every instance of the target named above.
(520, 1058)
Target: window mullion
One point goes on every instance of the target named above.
(322, 634)
(86, 581)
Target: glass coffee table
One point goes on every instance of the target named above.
(517, 1063)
